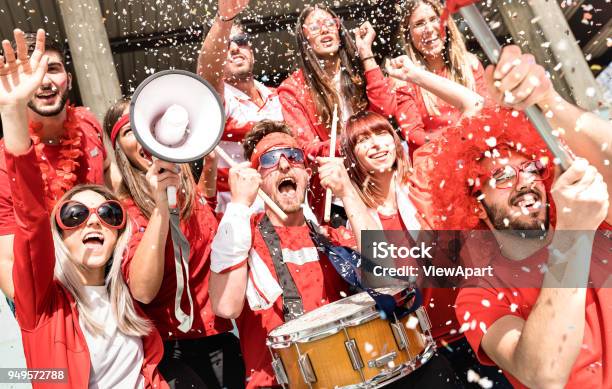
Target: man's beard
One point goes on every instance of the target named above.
(533, 228)
(291, 208)
(241, 75)
(49, 111)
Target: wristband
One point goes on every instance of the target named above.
(226, 19)
(368, 57)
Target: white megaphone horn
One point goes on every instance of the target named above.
(178, 117)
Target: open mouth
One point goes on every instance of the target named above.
(93, 240)
(379, 156)
(144, 154)
(430, 41)
(287, 186)
(46, 95)
(238, 59)
(527, 202)
(327, 40)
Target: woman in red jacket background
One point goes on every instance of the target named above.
(73, 306)
(334, 70)
(446, 56)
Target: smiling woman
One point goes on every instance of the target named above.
(336, 70)
(445, 56)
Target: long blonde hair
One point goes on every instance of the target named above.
(134, 181)
(122, 306)
(458, 61)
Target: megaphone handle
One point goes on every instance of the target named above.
(266, 199)
(171, 192)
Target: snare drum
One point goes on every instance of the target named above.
(347, 343)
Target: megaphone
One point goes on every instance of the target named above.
(177, 117)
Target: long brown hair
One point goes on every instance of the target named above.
(456, 57)
(371, 123)
(322, 89)
(134, 183)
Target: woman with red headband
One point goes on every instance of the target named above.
(74, 307)
(380, 172)
(199, 352)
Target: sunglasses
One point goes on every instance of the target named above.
(241, 40)
(271, 158)
(316, 27)
(507, 176)
(73, 214)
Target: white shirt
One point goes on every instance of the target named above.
(116, 359)
(241, 114)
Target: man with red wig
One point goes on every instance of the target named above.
(544, 328)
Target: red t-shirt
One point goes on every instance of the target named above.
(90, 169)
(438, 302)
(199, 231)
(46, 311)
(593, 366)
(316, 280)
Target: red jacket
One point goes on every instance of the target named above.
(419, 127)
(46, 311)
(301, 116)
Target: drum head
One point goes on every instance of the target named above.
(331, 318)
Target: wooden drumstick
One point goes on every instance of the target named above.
(332, 153)
(269, 202)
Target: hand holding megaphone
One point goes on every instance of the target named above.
(262, 195)
(163, 178)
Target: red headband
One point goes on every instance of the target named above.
(273, 140)
(123, 120)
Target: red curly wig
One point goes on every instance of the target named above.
(457, 157)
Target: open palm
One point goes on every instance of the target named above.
(21, 75)
(230, 8)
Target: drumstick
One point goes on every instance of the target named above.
(269, 202)
(332, 153)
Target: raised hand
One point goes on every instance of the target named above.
(517, 80)
(402, 68)
(244, 183)
(581, 197)
(228, 9)
(21, 75)
(333, 175)
(364, 37)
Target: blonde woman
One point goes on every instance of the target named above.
(438, 104)
(73, 306)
